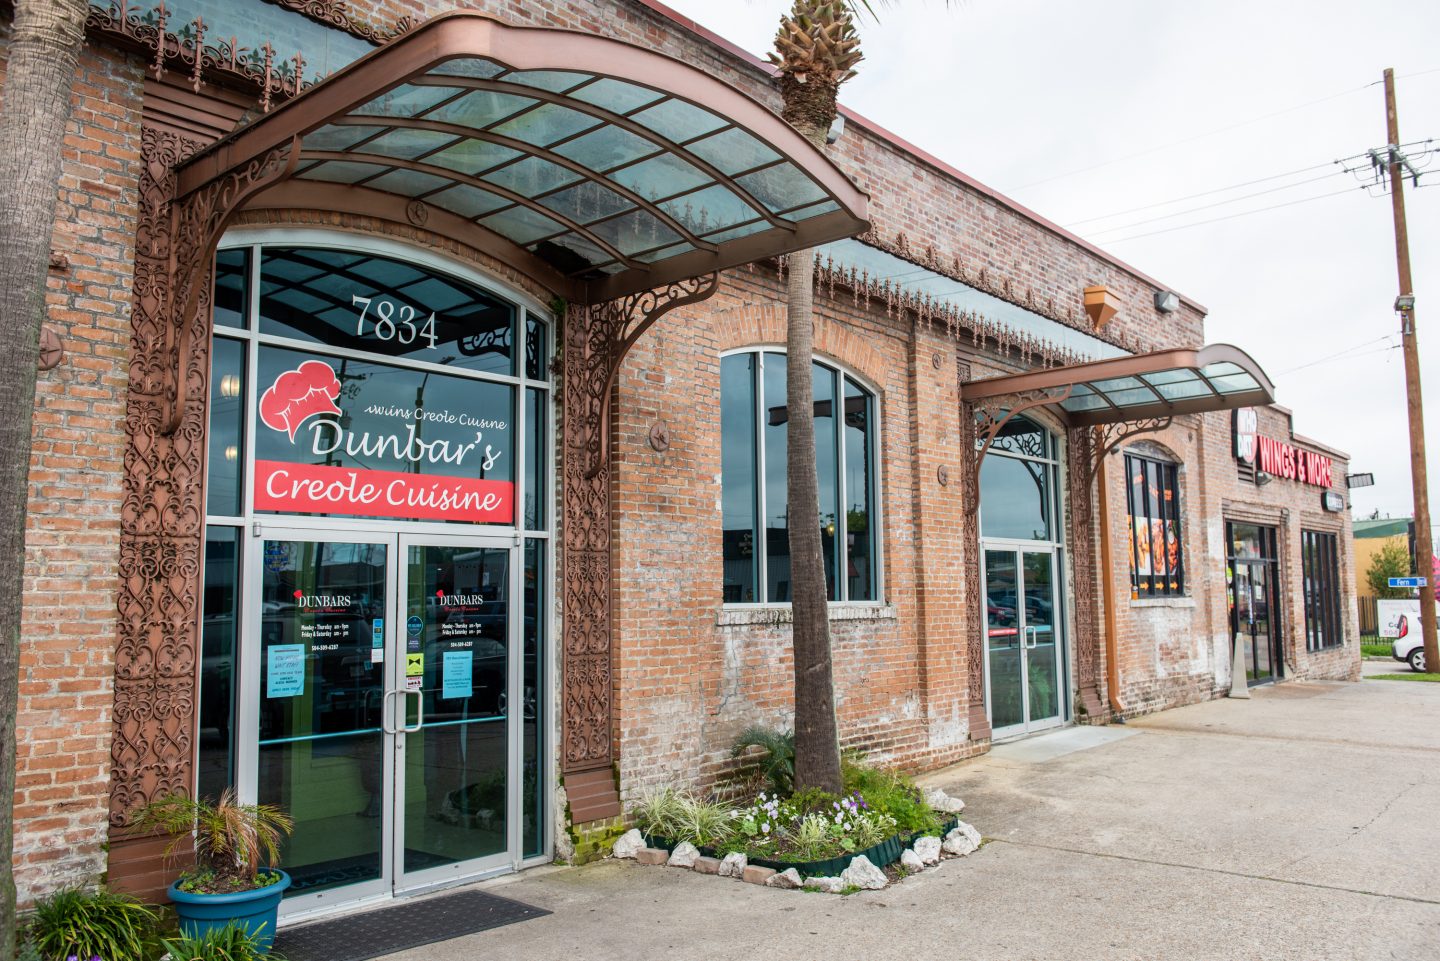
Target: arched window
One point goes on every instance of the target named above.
(755, 502)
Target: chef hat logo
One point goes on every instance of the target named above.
(298, 395)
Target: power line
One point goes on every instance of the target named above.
(1243, 213)
(1357, 350)
(1203, 193)
(1221, 203)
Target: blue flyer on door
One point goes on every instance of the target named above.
(285, 670)
(455, 670)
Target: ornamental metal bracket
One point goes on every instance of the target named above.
(1109, 437)
(622, 322)
(991, 416)
(197, 221)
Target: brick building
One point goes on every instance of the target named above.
(307, 521)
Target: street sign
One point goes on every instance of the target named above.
(1353, 481)
(1407, 582)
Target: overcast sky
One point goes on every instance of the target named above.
(1082, 110)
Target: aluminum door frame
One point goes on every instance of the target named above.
(251, 681)
(1061, 624)
(406, 883)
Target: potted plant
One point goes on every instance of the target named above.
(227, 885)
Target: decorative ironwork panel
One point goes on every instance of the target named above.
(162, 518)
(975, 623)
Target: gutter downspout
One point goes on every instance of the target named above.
(1107, 588)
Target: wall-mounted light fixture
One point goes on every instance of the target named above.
(1167, 301)
(1262, 478)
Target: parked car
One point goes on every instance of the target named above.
(1409, 646)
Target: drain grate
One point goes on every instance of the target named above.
(398, 927)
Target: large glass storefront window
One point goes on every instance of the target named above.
(376, 559)
(754, 494)
(1157, 551)
(1320, 569)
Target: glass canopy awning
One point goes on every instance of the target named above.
(592, 165)
(1159, 384)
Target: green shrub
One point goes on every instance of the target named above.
(703, 824)
(90, 924)
(230, 943)
(777, 763)
(658, 813)
(893, 794)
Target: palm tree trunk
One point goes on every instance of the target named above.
(817, 735)
(44, 50)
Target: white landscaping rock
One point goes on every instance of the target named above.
(684, 855)
(789, 879)
(928, 849)
(963, 840)
(828, 885)
(862, 874)
(940, 801)
(629, 845)
(911, 862)
(733, 866)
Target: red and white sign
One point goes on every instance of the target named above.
(357, 444)
(317, 489)
(1292, 463)
(1277, 457)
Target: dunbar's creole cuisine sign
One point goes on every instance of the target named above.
(347, 437)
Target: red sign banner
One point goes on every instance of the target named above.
(318, 489)
(1292, 463)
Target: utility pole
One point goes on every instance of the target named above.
(1405, 305)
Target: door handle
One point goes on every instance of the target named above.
(385, 715)
(1032, 638)
(419, 711)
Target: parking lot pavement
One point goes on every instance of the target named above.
(1287, 826)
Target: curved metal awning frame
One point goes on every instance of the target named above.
(1164, 383)
(1118, 398)
(435, 55)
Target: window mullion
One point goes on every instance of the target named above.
(762, 510)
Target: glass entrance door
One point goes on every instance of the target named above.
(378, 708)
(1024, 641)
(1254, 619)
(453, 748)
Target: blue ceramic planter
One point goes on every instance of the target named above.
(257, 910)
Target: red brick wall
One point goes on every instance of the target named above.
(689, 675)
(72, 540)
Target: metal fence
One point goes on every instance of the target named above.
(1369, 616)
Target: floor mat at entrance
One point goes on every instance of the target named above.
(408, 924)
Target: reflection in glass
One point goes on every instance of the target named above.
(1007, 698)
(362, 301)
(232, 278)
(777, 493)
(226, 463)
(537, 365)
(1042, 648)
(827, 471)
(536, 457)
(737, 465)
(1014, 499)
(456, 785)
(753, 385)
(532, 747)
(215, 754)
(320, 695)
(860, 565)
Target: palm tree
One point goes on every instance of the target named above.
(44, 50)
(816, 50)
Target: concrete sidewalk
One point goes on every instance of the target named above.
(1289, 826)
